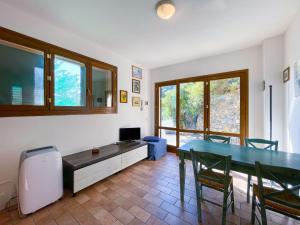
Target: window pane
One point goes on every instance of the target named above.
(168, 106)
(186, 137)
(102, 88)
(21, 74)
(233, 140)
(192, 106)
(170, 135)
(225, 105)
(69, 82)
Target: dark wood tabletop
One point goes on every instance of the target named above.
(86, 158)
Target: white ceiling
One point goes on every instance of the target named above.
(199, 28)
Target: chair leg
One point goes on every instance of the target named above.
(224, 207)
(224, 212)
(232, 198)
(201, 192)
(253, 209)
(263, 214)
(248, 188)
(198, 195)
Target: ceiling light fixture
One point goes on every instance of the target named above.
(165, 9)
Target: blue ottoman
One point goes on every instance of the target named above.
(157, 147)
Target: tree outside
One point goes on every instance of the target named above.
(192, 105)
(168, 106)
(224, 107)
(68, 83)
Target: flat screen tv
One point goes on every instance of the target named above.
(130, 134)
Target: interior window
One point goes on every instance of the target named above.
(102, 87)
(69, 82)
(37, 78)
(22, 80)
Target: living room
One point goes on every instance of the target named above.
(152, 59)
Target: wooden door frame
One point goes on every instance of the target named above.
(244, 103)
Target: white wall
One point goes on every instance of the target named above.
(250, 58)
(273, 56)
(292, 104)
(69, 133)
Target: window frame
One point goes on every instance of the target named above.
(66, 55)
(244, 105)
(114, 88)
(26, 43)
(50, 51)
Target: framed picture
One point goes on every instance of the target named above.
(136, 86)
(123, 96)
(297, 79)
(136, 101)
(286, 75)
(137, 72)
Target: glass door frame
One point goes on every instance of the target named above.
(244, 99)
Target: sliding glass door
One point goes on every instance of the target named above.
(225, 108)
(191, 113)
(167, 113)
(189, 109)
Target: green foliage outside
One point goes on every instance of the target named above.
(225, 86)
(192, 103)
(68, 84)
(168, 106)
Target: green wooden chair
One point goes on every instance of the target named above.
(258, 144)
(218, 138)
(206, 176)
(284, 200)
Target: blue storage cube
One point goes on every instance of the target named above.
(157, 149)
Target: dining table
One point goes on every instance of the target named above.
(242, 158)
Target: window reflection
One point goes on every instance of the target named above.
(21, 74)
(102, 87)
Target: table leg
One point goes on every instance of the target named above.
(182, 175)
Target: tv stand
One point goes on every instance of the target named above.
(85, 168)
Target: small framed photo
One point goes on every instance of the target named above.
(137, 72)
(123, 96)
(136, 101)
(136, 86)
(286, 75)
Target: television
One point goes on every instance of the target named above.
(130, 134)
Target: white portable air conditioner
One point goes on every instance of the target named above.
(40, 179)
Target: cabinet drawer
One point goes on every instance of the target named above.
(91, 174)
(134, 156)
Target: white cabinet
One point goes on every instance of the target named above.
(91, 174)
(134, 156)
(88, 175)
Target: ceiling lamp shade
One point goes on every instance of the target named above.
(165, 9)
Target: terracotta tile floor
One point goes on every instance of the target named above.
(145, 193)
